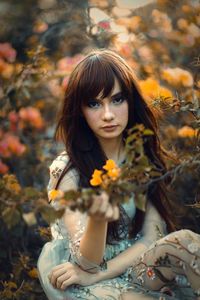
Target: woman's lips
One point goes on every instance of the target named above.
(110, 128)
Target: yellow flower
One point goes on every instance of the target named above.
(55, 194)
(178, 76)
(12, 184)
(186, 131)
(15, 187)
(186, 79)
(164, 93)
(151, 88)
(182, 23)
(114, 173)
(33, 273)
(96, 178)
(110, 164)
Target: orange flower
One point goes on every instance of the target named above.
(33, 273)
(177, 76)
(16, 188)
(151, 88)
(55, 194)
(114, 173)
(40, 27)
(150, 273)
(187, 132)
(182, 23)
(96, 178)
(8, 71)
(110, 164)
(12, 185)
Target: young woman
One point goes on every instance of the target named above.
(112, 252)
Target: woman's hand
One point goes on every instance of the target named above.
(67, 274)
(102, 210)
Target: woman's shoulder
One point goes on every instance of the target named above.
(56, 168)
(58, 164)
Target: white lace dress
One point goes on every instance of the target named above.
(65, 247)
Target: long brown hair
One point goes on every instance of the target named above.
(94, 74)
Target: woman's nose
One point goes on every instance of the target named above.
(108, 114)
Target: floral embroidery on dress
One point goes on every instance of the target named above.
(193, 247)
(56, 172)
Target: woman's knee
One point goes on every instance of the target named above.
(178, 236)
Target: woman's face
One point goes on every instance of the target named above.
(107, 117)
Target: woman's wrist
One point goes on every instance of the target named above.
(100, 276)
(97, 221)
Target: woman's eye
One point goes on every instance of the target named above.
(93, 104)
(118, 100)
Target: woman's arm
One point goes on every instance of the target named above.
(67, 273)
(153, 229)
(119, 264)
(93, 241)
(89, 242)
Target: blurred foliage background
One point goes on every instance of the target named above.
(40, 43)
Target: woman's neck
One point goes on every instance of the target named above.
(113, 148)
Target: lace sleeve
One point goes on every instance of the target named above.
(72, 225)
(154, 226)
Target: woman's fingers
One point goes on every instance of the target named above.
(62, 279)
(102, 209)
(72, 280)
(66, 264)
(116, 212)
(58, 271)
(109, 212)
(104, 204)
(112, 213)
(99, 204)
(55, 274)
(95, 205)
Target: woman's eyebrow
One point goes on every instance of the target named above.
(113, 96)
(117, 94)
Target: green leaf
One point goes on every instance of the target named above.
(130, 139)
(71, 194)
(30, 192)
(12, 285)
(198, 113)
(140, 201)
(49, 214)
(11, 216)
(154, 173)
(148, 132)
(185, 108)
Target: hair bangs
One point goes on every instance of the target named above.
(97, 80)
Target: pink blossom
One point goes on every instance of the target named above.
(10, 145)
(7, 52)
(3, 167)
(31, 115)
(13, 117)
(104, 25)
